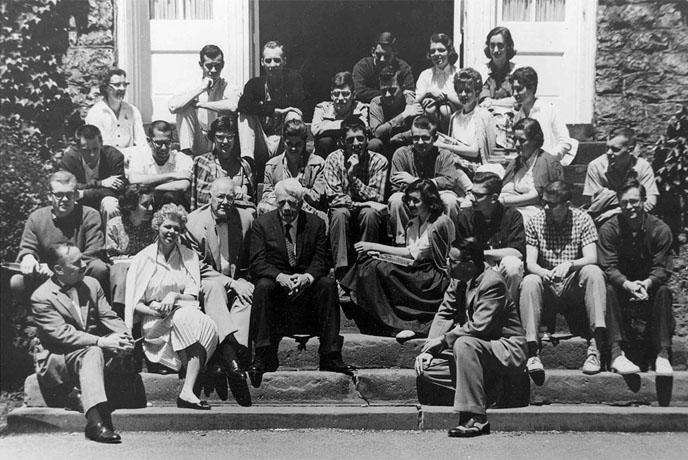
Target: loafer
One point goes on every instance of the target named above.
(470, 429)
(663, 367)
(592, 365)
(238, 384)
(535, 367)
(184, 404)
(624, 366)
(336, 365)
(101, 433)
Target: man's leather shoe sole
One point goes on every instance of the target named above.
(101, 433)
(239, 388)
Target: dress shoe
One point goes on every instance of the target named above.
(470, 429)
(624, 366)
(405, 336)
(237, 383)
(535, 367)
(336, 365)
(184, 404)
(100, 433)
(592, 364)
(663, 367)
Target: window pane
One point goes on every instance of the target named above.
(181, 9)
(550, 10)
(516, 10)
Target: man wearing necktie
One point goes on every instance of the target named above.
(290, 261)
(79, 329)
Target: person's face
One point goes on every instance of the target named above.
(618, 146)
(355, 142)
(631, 204)
(522, 94)
(222, 199)
(63, 198)
(90, 148)
(342, 99)
(483, 202)
(466, 93)
(160, 146)
(294, 145)
(71, 268)
(117, 88)
(416, 206)
(390, 93)
(497, 47)
(439, 55)
(383, 54)
(212, 67)
(224, 143)
(554, 209)
(169, 231)
(273, 60)
(462, 269)
(289, 207)
(423, 140)
(525, 146)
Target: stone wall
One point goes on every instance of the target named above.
(642, 65)
(91, 47)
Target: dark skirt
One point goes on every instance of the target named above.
(395, 296)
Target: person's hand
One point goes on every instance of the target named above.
(402, 177)
(113, 182)
(362, 247)
(207, 83)
(422, 362)
(560, 271)
(299, 282)
(352, 163)
(427, 103)
(120, 344)
(486, 103)
(286, 110)
(434, 346)
(167, 303)
(243, 289)
(284, 280)
(412, 110)
(636, 289)
(28, 265)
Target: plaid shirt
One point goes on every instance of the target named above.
(207, 168)
(560, 244)
(367, 185)
(310, 175)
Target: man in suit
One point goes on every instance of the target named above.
(77, 325)
(219, 233)
(479, 324)
(290, 261)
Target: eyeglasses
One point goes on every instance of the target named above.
(271, 60)
(340, 93)
(62, 195)
(499, 46)
(351, 139)
(479, 196)
(633, 202)
(225, 197)
(214, 65)
(162, 143)
(423, 138)
(224, 137)
(122, 84)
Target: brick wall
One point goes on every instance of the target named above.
(642, 65)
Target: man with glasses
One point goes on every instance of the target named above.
(355, 191)
(268, 101)
(561, 258)
(224, 160)
(366, 73)
(328, 115)
(164, 174)
(390, 115)
(635, 253)
(219, 233)
(119, 122)
(64, 220)
(497, 228)
(422, 160)
(197, 107)
(607, 173)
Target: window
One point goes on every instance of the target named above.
(533, 10)
(181, 9)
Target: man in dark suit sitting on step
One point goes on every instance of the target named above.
(290, 261)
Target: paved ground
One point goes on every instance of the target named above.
(326, 444)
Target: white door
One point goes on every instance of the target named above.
(555, 37)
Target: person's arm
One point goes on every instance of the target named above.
(317, 191)
(446, 313)
(489, 303)
(180, 185)
(406, 80)
(94, 239)
(260, 268)
(320, 124)
(593, 180)
(251, 101)
(334, 189)
(364, 93)
(500, 253)
(180, 101)
(378, 126)
(401, 251)
(398, 165)
(532, 265)
(228, 103)
(662, 261)
(55, 329)
(446, 174)
(521, 199)
(560, 132)
(28, 245)
(374, 190)
(608, 253)
(106, 315)
(321, 261)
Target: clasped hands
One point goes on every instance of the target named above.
(119, 344)
(295, 283)
(431, 348)
(558, 273)
(166, 305)
(637, 289)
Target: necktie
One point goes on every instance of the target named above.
(291, 253)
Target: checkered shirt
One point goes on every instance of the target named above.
(368, 185)
(563, 244)
(206, 169)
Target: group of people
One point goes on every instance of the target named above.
(439, 208)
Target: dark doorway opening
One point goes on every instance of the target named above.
(323, 37)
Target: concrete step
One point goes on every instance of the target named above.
(582, 418)
(398, 386)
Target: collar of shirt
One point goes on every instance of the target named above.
(448, 71)
(292, 230)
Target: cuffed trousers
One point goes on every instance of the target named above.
(87, 366)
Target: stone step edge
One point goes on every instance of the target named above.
(581, 418)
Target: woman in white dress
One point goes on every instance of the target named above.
(163, 285)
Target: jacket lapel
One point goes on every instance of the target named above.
(84, 302)
(65, 306)
(278, 231)
(300, 234)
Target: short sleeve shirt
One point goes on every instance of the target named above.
(596, 177)
(178, 162)
(560, 244)
(120, 131)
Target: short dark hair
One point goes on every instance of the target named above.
(224, 123)
(159, 125)
(626, 132)
(388, 76)
(471, 77)
(56, 251)
(629, 184)
(105, 79)
(491, 181)
(211, 51)
(342, 79)
(446, 40)
(429, 195)
(559, 189)
(470, 247)
(527, 76)
(353, 123)
(386, 39)
(295, 127)
(129, 199)
(423, 122)
(88, 132)
(508, 41)
(532, 129)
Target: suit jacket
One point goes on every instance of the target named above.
(482, 309)
(202, 236)
(111, 164)
(269, 249)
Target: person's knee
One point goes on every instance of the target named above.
(263, 285)
(325, 145)
(511, 266)
(376, 145)
(367, 216)
(591, 273)
(98, 269)
(396, 202)
(339, 216)
(17, 285)
(94, 355)
(451, 201)
(109, 205)
(464, 346)
(531, 282)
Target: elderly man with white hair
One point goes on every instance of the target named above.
(290, 262)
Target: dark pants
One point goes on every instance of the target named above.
(327, 143)
(655, 313)
(314, 311)
(347, 227)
